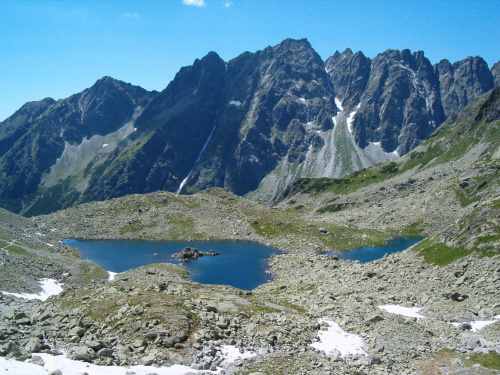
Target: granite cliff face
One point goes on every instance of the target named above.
(274, 103)
(402, 98)
(495, 71)
(252, 125)
(462, 82)
(33, 140)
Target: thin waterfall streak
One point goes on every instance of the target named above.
(199, 155)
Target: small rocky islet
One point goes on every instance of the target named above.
(191, 253)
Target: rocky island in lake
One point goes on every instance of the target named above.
(192, 253)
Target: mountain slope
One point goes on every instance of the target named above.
(252, 125)
(447, 187)
(36, 137)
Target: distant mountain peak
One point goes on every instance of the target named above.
(251, 125)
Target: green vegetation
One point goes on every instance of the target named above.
(490, 360)
(350, 183)
(95, 273)
(333, 207)
(15, 249)
(277, 225)
(439, 254)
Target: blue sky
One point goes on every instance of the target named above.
(58, 48)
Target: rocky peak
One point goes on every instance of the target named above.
(273, 102)
(400, 105)
(495, 71)
(172, 130)
(462, 82)
(349, 75)
(259, 121)
(16, 125)
(100, 109)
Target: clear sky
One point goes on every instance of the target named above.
(58, 48)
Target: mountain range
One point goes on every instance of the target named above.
(251, 125)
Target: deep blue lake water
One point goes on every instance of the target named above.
(240, 264)
(368, 254)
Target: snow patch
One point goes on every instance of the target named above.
(338, 103)
(112, 275)
(105, 145)
(480, 324)
(335, 340)
(231, 353)
(350, 118)
(50, 287)
(410, 312)
(40, 234)
(237, 103)
(303, 100)
(49, 244)
(71, 367)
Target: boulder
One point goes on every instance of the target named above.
(76, 331)
(34, 345)
(81, 353)
(37, 360)
(105, 353)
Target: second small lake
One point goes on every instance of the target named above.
(239, 264)
(368, 254)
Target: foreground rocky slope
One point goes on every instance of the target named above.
(447, 189)
(253, 125)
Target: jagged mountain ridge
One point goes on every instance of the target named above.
(251, 125)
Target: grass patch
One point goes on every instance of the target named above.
(413, 230)
(340, 238)
(490, 360)
(440, 254)
(96, 273)
(350, 183)
(336, 207)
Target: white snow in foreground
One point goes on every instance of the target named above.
(395, 152)
(338, 103)
(410, 312)
(237, 103)
(480, 324)
(335, 339)
(105, 145)
(231, 353)
(70, 367)
(112, 275)
(50, 287)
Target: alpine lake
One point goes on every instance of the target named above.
(239, 264)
